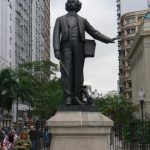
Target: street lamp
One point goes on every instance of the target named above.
(141, 99)
(2, 118)
(17, 96)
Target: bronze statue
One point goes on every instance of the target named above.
(68, 43)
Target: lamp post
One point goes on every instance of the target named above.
(17, 123)
(3, 118)
(141, 99)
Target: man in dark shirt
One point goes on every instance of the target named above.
(33, 136)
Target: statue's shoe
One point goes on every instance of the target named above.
(89, 101)
(68, 101)
(77, 101)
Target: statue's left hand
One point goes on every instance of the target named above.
(113, 40)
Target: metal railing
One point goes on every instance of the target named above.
(134, 135)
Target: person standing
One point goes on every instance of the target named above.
(2, 136)
(9, 140)
(33, 137)
(46, 138)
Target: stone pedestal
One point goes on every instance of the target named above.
(77, 130)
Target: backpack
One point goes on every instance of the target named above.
(11, 138)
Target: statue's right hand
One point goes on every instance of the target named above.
(57, 54)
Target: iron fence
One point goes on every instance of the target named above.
(133, 135)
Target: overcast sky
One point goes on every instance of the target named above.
(133, 5)
(101, 72)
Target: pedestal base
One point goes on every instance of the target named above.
(77, 130)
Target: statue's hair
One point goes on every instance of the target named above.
(78, 6)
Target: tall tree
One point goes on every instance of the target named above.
(117, 108)
(40, 87)
(36, 84)
(8, 88)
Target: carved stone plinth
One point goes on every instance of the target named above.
(79, 130)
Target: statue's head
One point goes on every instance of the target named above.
(73, 5)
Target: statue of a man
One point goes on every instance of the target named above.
(68, 43)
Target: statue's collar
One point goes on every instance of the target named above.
(71, 14)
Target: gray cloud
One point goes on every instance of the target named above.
(102, 71)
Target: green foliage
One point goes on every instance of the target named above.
(137, 131)
(40, 87)
(48, 98)
(36, 84)
(125, 125)
(8, 88)
(117, 108)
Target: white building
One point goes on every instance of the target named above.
(15, 32)
(113, 93)
(23, 31)
(41, 30)
(7, 32)
(23, 110)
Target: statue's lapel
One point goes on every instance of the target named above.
(80, 22)
(65, 23)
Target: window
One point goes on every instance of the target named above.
(130, 95)
(10, 30)
(140, 18)
(130, 31)
(120, 53)
(10, 5)
(10, 17)
(130, 20)
(119, 43)
(130, 84)
(129, 41)
(120, 71)
(10, 40)
(9, 53)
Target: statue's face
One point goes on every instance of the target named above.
(72, 5)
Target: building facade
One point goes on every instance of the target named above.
(129, 17)
(6, 33)
(139, 58)
(15, 32)
(41, 30)
(24, 35)
(23, 31)
(130, 23)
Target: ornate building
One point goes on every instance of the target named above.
(129, 27)
(128, 19)
(139, 58)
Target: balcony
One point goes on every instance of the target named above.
(118, 2)
(118, 20)
(118, 11)
(119, 29)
